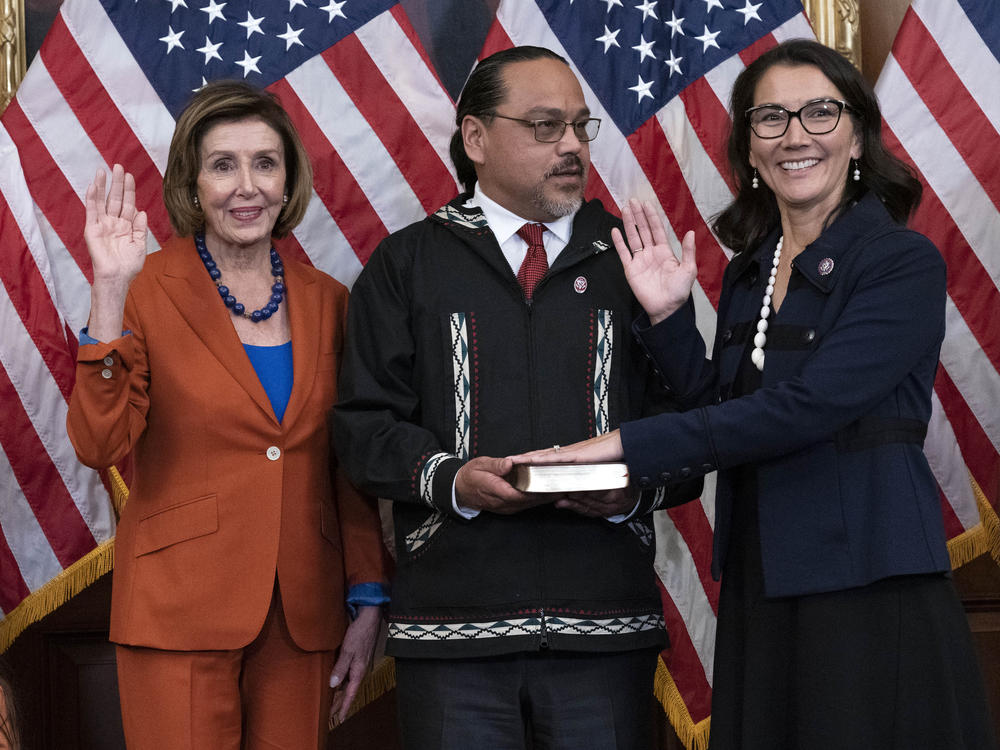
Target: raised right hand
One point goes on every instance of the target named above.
(660, 281)
(115, 232)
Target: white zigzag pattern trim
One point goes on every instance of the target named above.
(642, 530)
(422, 534)
(470, 631)
(659, 498)
(602, 369)
(462, 387)
(427, 477)
(452, 214)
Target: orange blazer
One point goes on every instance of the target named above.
(224, 497)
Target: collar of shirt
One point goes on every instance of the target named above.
(504, 225)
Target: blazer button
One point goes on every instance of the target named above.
(644, 482)
(274, 453)
(809, 335)
(666, 476)
(727, 334)
(106, 373)
(685, 472)
(109, 360)
(707, 468)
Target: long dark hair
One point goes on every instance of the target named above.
(753, 214)
(483, 93)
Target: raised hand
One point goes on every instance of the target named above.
(660, 281)
(115, 232)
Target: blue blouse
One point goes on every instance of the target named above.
(273, 365)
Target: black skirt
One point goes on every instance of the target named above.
(888, 666)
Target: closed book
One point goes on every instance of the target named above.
(569, 477)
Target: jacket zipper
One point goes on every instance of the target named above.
(532, 397)
(545, 634)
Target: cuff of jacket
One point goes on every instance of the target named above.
(436, 481)
(102, 355)
(650, 465)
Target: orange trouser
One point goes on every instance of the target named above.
(269, 695)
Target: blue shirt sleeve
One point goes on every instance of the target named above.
(86, 338)
(366, 595)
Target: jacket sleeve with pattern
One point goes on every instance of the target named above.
(377, 427)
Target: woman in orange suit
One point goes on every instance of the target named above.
(214, 360)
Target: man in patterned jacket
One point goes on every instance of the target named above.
(500, 324)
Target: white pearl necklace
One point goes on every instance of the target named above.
(757, 355)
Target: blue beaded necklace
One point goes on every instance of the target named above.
(277, 289)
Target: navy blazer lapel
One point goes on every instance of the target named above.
(194, 294)
(305, 306)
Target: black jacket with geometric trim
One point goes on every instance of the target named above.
(446, 361)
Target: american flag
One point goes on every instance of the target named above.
(938, 91)
(370, 85)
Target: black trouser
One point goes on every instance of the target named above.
(539, 700)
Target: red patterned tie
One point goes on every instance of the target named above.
(535, 263)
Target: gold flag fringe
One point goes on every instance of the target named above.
(982, 538)
(70, 582)
(45, 599)
(694, 736)
(119, 491)
(379, 681)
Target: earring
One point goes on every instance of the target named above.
(194, 199)
(284, 200)
(857, 172)
(755, 183)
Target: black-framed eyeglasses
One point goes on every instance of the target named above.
(550, 131)
(818, 117)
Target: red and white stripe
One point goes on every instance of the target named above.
(938, 96)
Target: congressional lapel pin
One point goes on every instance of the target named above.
(825, 266)
(580, 284)
(599, 246)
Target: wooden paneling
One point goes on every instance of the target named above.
(64, 677)
(978, 584)
(879, 23)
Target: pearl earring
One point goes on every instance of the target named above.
(857, 171)
(197, 204)
(755, 183)
(284, 200)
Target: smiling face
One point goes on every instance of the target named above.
(241, 183)
(807, 172)
(536, 181)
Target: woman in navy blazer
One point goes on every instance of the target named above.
(838, 624)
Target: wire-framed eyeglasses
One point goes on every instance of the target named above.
(550, 131)
(818, 117)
